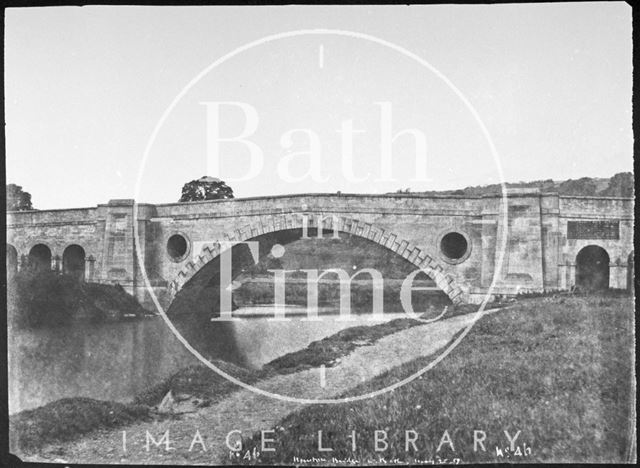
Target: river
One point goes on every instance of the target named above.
(115, 361)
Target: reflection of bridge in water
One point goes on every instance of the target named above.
(554, 242)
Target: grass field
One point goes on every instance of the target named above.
(557, 369)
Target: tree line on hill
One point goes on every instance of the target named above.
(620, 185)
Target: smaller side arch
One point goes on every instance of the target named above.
(592, 268)
(40, 258)
(73, 262)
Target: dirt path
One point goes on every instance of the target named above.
(248, 411)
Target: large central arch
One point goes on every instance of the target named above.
(290, 221)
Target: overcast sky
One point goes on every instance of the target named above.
(85, 88)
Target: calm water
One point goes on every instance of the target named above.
(115, 361)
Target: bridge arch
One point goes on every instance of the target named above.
(40, 257)
(592, 268)
(73, 262)
(12, 260)
(293, 221)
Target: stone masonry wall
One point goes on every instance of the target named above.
(538, 253)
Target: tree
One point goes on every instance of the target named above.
(620, 185)
(584, 186)
(205, 188)
(17, 199)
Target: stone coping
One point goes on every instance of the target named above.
(340, 195)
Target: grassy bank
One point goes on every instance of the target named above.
(36, 299)
(557, 369)
(68, 418)
(200, 382)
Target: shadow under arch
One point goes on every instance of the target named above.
(40, 258)
(73, 262)
(203, 272)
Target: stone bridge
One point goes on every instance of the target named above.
(553, 242)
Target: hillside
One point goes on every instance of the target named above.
(620, 185)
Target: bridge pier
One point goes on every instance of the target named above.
(89, 269)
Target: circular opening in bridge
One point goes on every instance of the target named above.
(177, 247)
(454, 245)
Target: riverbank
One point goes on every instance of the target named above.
(558, 369)
(46, 299)
(199, 385)
(198, 382)
(243, 409)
